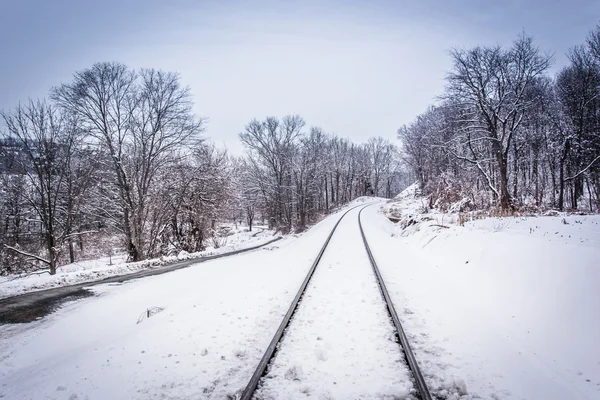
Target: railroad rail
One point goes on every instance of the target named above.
(270, 353)
(403, 339)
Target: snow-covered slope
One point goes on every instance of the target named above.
(510, 306)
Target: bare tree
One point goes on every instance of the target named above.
(381, 154)
(192, 195)
(14, 211)
(249, 191)
(143, 121)
(48, 142)
(578, 88)
(492, 84)
(308, 173)
(593, 42)
(271, 145)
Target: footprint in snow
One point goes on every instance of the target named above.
(294, 373)
(321, 354)
(306, 390)
(326, 396)
(239, 353)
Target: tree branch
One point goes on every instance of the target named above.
(27, 254)
(583, 170)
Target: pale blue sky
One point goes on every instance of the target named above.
(356, 68)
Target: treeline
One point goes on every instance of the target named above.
(506, 135)
(293, 175)
(116, 160)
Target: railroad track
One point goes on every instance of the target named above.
(401, 338)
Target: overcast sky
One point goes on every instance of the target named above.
(355, 68)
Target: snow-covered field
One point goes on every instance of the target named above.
(92, 270)
(217, 320)
(509, 306)
(498, 309)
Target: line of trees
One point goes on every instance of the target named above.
(294, 175)
(116, 158)
(506, 135)
(114, 152)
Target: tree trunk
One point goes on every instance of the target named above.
(516, 170)
(536, 175)
(333, 198)
(52, 253)
(302, 212)
(589, 194)
(337, 186)
(561, 178)
(71, 251)
(132, 250)
(249, 218)
(326, 197)
(577, 191)
(501, 158)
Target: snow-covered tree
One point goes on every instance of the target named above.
(144, 122)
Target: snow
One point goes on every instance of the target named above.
(217, 320)
(340, 343)
(500, 308)
(92, 270)
(407, 203)
(507, 307)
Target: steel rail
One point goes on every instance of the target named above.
(408, 353)
(270, 352)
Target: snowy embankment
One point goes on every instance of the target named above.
(502, 308)
(93, 270)
(216, 321)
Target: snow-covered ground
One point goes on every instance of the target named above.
(341, 341)
(498, 309)
(216, 323)
(507, 308)
(92, 270)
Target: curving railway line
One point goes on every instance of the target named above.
(348, 324)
